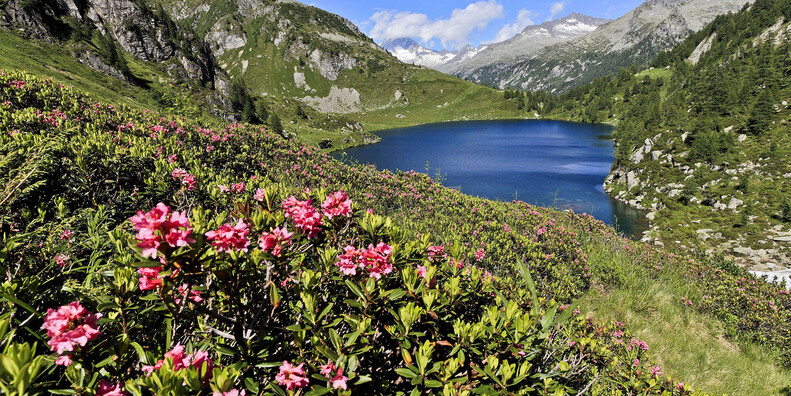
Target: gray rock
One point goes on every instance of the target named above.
(735, 203)
(742, 138)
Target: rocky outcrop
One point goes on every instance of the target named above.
(136, 29)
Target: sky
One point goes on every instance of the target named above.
(452, 24)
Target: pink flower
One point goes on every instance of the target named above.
(259, 195)
(223, 188)
(199, 360)
(305, 216)
(70, 326)
(655, 371)
(376, 260)
(480, 254)
(232, 392)
(680, 386)
(150, 278)
(155, 224)
(67, 234)
(229, 237)
(327, 369)
(237, 187)
(62, 259)
(108, 389)
(421, 271)
(292, 377)
(336, 205)
(275, 240)
(63, 360)
(194, 295)
(636, 362)
(436, 252)
(339, 380)
(349, 260)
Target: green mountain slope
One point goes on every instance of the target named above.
(288, 49)
(702, 138)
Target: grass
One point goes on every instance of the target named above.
(689, 345)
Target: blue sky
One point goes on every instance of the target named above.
(453, 24)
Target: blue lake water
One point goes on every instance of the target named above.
(548, 163)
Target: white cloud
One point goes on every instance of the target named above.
(556, 8)
(452, 32)
(524, 19)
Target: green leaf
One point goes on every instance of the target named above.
(405, 372)
(356, 290)
(433, 384)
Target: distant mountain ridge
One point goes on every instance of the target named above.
(635, 38)
(408, 50)
(529, 41)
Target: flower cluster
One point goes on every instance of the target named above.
(334, 374)
(337, 204)
(155, 226)
(229, 237)
(105, 388)
(181, 361)
(291, 376)
(305, 216)
(185, 178)
(375, 260)
(149, 278)
(480, 254)
(275, 240)
(68, 327)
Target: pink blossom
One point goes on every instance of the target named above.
(421, 271)
(237, 187)
(305, 216)
(275, 240)
(70, 326)
(327, 369)
(67, 234)
(636, 362)
(194, 295)
(336, 205)
(223, 188)
(436, 252)
(108, 389)
(229, 237)
(349, 260)
(232, 392)
(339, 380)
(155, 224)
(376, 260)
(292, 377)
(480, 254)
(150, 278)
(655, 371)
(62, 259)
(259, 195)
(63, 360)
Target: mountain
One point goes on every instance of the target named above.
(635, 38)
(702, 138)
(409, 51)
(322, 61)
(528, 42)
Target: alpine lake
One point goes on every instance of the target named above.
(547, 163)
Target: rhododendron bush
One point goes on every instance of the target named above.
(149, 255)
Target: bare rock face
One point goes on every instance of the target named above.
(94, 62)
(136, 31)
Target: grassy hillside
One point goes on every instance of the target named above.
(77, 173)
